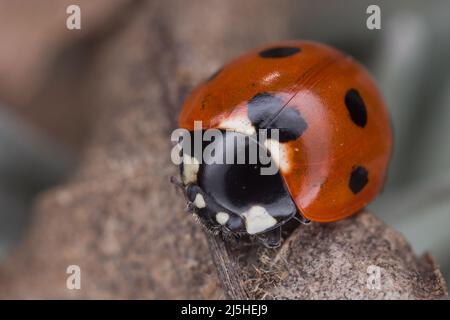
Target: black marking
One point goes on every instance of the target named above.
(238, 187)
(358, 179)
(356, 107)
(207, 215)
(192, 191)
(290, 124)
(235, 188)
(279, 52)
(262, 107)
(266, 111)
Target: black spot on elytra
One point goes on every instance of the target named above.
(279, 52)
(266, 111)
(262, 107)
(290, 124)
(358, 179)
(356, 107)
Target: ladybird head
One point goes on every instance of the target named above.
(232, 186)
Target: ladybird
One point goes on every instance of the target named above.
(333, 146)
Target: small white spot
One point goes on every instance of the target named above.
(199, 201)
(257, 220)
(239, 124)
(271, 77)
(222, 217)
(190, 169)
(279, 154)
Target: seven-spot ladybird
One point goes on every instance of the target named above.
(334, 141)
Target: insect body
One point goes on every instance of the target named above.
(333, 138)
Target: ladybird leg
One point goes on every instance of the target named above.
(207, 225)
(190, 207)
(212, 229)
(228, 235)
(175, 181)
(271, 239)
(300, 218)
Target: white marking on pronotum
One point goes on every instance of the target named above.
(190, 169)
(239, 124)
(199, 201)
(257, 220)
(279, 154)
(222, 217)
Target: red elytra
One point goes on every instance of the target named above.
(338, 164)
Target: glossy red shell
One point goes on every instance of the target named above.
(333, 147)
